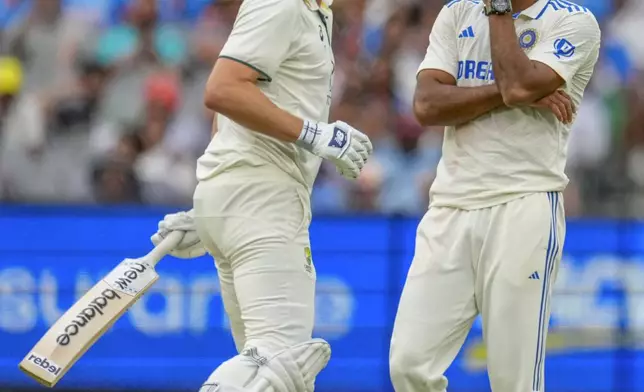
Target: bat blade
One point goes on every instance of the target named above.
(87, 320)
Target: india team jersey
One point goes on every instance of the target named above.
(289, 43)
(508, 152)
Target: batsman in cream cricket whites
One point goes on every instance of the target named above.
(271, 90)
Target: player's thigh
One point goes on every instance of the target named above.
(275, 286)
(206, 229)
(437, 306)
(520, 260)
(263, 233)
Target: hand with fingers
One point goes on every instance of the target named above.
(190, 246)
(560, 104)
(340, 143)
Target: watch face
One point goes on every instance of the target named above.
(500, 4)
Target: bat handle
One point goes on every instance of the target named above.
(166, 246)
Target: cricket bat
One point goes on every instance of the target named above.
(93, 314)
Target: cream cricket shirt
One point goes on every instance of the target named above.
(509, 152)
(289, 43)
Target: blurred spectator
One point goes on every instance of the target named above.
(115, 183)
(407, 161)
(142, 38)
(102, 101)
(75, 108)
(22, 136)
(211, 31)
(47, 41)
(165, 171)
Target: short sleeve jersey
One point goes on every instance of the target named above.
(508, 152)
(288, 42)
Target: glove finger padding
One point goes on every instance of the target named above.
(179, 221)
(190, 239)
(348, 170)
(362, 151)
(190, 247)
(355, 157)
(364, 141)
(160, 236)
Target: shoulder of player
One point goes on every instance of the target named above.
(563, 11)
(273, 6)
(461, 6)
(462, 9)
(580, 19)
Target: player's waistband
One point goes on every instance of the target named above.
(253, 173)
(477, 203)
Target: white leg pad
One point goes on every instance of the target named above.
(295, 368)
(215, 387)
(291, 370)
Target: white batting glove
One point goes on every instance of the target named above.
(190, 246)
(340, 143)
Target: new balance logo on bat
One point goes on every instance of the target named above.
(535, 276)
(44, 363)
(131, 276)
(93, 309)
(467, 33)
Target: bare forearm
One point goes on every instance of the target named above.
(451, 105)
(516, 75)
(245, 104)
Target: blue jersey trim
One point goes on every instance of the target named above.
(562, 5)
(451, 3)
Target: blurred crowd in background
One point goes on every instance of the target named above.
(101, 101)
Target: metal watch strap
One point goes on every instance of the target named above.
(492, 10)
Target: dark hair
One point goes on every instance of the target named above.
(88, 67)
(134, 139)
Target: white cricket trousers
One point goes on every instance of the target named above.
(255, 225)
(500, 262)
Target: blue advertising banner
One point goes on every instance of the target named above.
(175, 336)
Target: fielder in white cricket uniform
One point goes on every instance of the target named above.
(271, 88)
(505, 79)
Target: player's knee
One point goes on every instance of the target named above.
(411, 372)
(255, 369)
(234, 373)
(401, 368)
(401, 371)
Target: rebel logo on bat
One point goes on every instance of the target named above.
(44, 363)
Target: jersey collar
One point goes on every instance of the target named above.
(534, 10)
(313, 5)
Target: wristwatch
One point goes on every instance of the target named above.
(498, 7)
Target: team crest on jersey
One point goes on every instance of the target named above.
(311, 4)
(564, 48)
(308, 266)
(528, 38)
